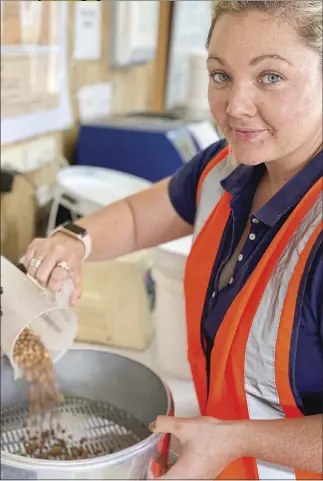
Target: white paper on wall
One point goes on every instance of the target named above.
(133, 31)
(190, 26)
(87, 31)
(94, 101)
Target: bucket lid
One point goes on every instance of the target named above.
(99, 185)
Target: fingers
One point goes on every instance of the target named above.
(48, 256)
(203, 455)
(30, 254)
(49, 253)
(47, 268)
(51, 277)
(185, 468)
(77, 279)
(25, 260)
(56, 281)
(171, 425)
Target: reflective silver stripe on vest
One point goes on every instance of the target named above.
(260, 385)
(211, 193)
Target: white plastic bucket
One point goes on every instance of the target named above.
(84, 189)
(171, 335)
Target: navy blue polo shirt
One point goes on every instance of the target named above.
(306, 354)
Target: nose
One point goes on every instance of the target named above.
(241, 102)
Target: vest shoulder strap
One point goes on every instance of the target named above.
(210, 190)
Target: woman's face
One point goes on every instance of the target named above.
(265, 88)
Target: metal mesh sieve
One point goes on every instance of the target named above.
(106, 427)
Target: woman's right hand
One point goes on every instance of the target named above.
(51, 261)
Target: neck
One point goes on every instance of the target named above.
(280, 171)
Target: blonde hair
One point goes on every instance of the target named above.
(304, 15)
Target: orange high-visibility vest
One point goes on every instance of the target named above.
(249, 376)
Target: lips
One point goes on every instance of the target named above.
(248, 130)
(248, 134)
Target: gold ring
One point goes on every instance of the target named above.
(63, 265)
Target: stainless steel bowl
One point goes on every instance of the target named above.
(114, 398)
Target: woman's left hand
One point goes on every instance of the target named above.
(208, 445)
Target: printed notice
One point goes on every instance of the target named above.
(87, 31)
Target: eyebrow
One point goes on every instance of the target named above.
(255, 60)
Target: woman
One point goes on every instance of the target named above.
(254, 275)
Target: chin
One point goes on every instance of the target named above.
(250, 161)
(250, 155)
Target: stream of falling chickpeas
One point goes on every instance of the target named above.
(44, 396)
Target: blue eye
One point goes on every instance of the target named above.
(219, 77)
(272, 79)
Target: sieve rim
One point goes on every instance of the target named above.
(111, 459)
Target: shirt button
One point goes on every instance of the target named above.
(252, 236)
(231, 280)
(255, 220)
(240, 257)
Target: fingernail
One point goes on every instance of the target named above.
(152, 426)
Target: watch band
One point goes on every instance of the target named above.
(85, 239)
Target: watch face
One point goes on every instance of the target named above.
(76, 229)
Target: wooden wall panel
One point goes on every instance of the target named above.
(161, 61)
(133, 87)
